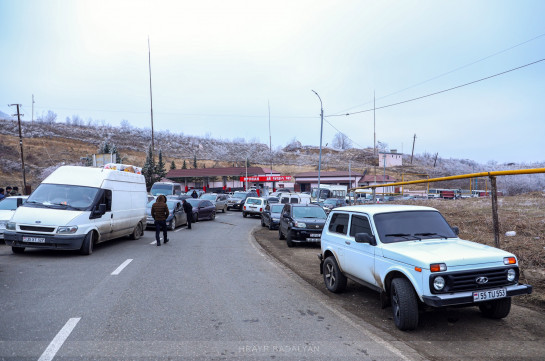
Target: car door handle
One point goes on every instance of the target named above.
(347, 242)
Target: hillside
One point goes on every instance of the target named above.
(48, 145)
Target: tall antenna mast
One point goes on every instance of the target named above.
(151, 100)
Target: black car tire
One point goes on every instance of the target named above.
(404, 304)
(270, 226)
(496, 309)
(224, 208)
(87, 244)
(172, 225)
(213, 216)
(262, 223)
(334, 279)
(17, 250)
(289, 242)
(196, 217)
(280, 235)
(244, 214)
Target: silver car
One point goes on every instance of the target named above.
(219, 200)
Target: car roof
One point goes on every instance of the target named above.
(373, 209)
(261, 199)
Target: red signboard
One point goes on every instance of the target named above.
(269, 178)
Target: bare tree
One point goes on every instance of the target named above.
(341, 141)
(48, 118)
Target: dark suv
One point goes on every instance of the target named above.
(301, 223)
(236, 201)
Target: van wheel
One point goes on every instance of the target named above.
(88, 244)
(334, 279)
(173, 224)
(18, 250)
(404, 304)
(280, 235)
(496, 309)
(138, 231)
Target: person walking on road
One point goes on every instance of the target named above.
(159, 212)
(188, 209)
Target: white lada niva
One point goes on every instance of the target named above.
(413, 257)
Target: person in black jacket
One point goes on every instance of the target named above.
(188, 209)
(194, 194)
(160, 212)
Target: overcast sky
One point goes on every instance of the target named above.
(216, 65)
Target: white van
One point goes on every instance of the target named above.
(165, 188)
(77, 207)
(294, 198)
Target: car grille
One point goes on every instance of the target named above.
(314, 226)
(467, 281)
(37, 229)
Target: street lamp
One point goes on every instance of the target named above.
(321, 131)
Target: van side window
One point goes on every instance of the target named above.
(339, 223)
(284, 200)
(105, 197)
(360, 224)
(294, 200)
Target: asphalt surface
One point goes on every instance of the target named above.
(211, 293)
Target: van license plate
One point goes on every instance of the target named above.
(33, 240)
(489, 294)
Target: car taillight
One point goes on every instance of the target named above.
(261, 209)
(244, 207)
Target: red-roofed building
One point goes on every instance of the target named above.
(227, 178)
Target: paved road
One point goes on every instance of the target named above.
(209, 294)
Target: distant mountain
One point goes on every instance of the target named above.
(5, 116)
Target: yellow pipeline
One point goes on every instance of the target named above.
(462, 176)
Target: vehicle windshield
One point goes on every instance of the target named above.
(325, 193)
(157, 189)
(240, 195)
(8, 204)
(276, 208)
(411, 226)
(194, 202)
(309, 212)
(62, 196)
(332, 201)
(253, 201)
(210, 197)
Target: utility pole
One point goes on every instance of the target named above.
(21, 145)
(321, 132)
(33, 107)
(151, 101)
(374, 128)
(412, 153)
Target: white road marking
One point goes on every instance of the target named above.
(59, 339)
(121, 267)
(181, 229)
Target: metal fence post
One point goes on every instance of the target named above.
(495, 219)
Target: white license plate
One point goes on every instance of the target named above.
(315, 235)
(34, 239)
(479, 296)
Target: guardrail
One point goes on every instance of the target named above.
(493, 189)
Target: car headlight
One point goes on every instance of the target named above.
(300, 225)
(10, 226)
(439, 283)
(511, 275)
(67, 230)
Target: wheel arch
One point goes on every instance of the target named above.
(399, 273)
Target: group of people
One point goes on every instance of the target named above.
(160, 212)
(9, 191)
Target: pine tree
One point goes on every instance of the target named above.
(184, 166)
(148, 169)
(248, 163)
(160, 170)
(195, 161)
(172, 165)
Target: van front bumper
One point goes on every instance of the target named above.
(15, 239)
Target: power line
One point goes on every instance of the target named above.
(438, 92)
(453, 70)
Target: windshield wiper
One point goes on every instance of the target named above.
(402, 235)
(426, 234)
